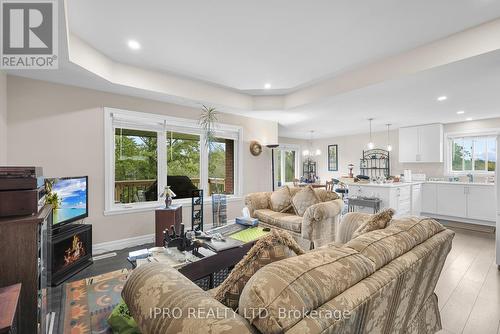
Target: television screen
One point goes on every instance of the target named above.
(69, 197)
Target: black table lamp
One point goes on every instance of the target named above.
(272, 147)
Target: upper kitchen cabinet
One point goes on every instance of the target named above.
(422, 143)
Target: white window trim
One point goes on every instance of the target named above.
(161, 124)
(470, 133)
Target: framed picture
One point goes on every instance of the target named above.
(333, 158)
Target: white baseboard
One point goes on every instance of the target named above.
(459, 219)
(109, 246)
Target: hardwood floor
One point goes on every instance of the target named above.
(468, 289)
(469, 286)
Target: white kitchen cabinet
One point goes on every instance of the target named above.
(421, 143)
(481, 203)
(401, 200)
(429, 198)
(408, 144)
(451, 200)
(416, 199)
(463, 202)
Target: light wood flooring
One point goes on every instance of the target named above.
(468, 289)
(469, 286)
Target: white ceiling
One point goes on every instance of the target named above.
(206, 46)
(288, 43)
(471, 85)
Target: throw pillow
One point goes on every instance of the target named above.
(304, 199)
(376, 222)
(275, 246)
(281, 199)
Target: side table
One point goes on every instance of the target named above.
(9, 306)
(166, 218)
(373, 203)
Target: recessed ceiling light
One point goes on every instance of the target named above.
(460, 112)
(267, 86)
(133, 44)
(468, 119)
(442, 98)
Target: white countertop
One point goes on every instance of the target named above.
(463, 183)
(384, 185)
(403, 184)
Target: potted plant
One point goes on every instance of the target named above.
(208, 120)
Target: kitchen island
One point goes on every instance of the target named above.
(404, 197)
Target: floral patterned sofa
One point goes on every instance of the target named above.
(382, 281)
(310, 215)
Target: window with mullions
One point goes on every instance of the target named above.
(473, 154)
(183, 163)
(146, 152)
(286, 166)
(221, 166)
(136, 166)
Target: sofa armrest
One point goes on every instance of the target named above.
(320, 221)
(162, 300)
(349, 224)
(257, 201)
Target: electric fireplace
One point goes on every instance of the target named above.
(70, 250)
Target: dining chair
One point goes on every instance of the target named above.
(329, 186)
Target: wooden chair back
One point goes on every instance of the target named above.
(329, 186)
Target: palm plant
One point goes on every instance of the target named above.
(51, 197)
(208, 120)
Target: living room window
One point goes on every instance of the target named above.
(221, 166)
(136, 166)
(183, 163)
(145, 152)
(472, 154)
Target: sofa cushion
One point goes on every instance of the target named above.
(300, 283)
(325, 195)
(281, 199)
(304, 199)
(383, 246)
(287, 221)
(376, 222)
(275, 246)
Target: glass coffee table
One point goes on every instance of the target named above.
(212, 264)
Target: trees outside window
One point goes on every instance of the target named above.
(136, 166)
(286, 165)
(147, 152)
(473, 154)
(183, 163)
(221, 166)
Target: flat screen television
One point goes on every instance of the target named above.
(69, 197)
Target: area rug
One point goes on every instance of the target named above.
(89, 302)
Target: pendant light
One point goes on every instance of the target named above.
(389, 146)
(370, 145)
(310, 152)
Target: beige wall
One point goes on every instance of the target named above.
(3, 118)
(61, 129)
(350, 149)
